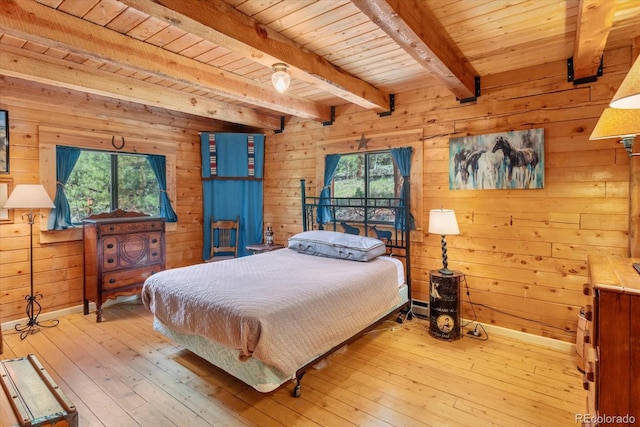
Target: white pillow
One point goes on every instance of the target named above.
(333, 244)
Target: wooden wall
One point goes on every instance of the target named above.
(58, 267)
(524, 252)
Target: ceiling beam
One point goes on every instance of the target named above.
(222, 24)
(41, 24)
(416, 31)
(15, 62)
(595, 19)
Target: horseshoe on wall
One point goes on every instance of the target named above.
(114, 144)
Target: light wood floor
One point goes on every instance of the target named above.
(122, 373)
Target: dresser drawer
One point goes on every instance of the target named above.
(132, 250)
(130, 277)
(131, 227)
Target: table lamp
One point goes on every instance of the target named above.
(618, 123)
(444, 223)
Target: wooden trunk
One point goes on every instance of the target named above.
(30, 397)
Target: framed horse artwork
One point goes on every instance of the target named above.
(507, 160)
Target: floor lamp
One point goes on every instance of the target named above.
(31, 196)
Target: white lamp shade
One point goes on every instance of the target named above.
(280, 78)
(443, 222)
(617, 123)
(628, 94)
(29, 196)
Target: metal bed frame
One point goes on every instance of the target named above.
(398, 245)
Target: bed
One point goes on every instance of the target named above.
(267, 318)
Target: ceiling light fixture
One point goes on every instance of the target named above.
(280, 77)
(618, 123)
(628, 94)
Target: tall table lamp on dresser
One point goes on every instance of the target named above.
(444, 302)
(30, 197)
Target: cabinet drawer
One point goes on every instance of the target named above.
(122, 279)
(131, 227)
(110, 245)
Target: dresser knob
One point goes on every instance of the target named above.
(112, 281)
(110, 260)
(154, 254)
(154, 240)
(110, 246)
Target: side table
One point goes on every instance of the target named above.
(259, 248)
(444, 305)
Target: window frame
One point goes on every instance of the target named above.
(50, 137)
(367, 156)
(114, 171)
(381, 142)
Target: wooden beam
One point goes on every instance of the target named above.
(27, 65)
(41, 24)
(417, 32)
(595, 19)
(223, 25)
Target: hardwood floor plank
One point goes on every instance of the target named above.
(123, 373)
(199, 409)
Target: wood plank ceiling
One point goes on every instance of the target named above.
(214, 58)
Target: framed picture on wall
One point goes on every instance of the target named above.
(4, 141)
(6, 215)
(507, 160)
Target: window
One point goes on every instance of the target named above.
(367, 176)
(103, 181)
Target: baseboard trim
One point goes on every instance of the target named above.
(563, 346)
(566, 347)
(65, 311)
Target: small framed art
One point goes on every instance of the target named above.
(6, 215)
(4, 141)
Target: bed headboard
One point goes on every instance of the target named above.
(383, 218)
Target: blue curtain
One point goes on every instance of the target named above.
(159, 166)
(229, 198)
(60, 216)
(330, 166)
(402, 159)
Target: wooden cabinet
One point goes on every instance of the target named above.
(612, 367)
(121, 250)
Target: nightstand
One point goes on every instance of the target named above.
(259, 248)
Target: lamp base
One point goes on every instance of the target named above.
(32, 326)
(445, 271)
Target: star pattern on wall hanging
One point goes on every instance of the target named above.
(362, 142)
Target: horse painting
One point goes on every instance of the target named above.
(520, 163)
(504, 160)
(466, 162)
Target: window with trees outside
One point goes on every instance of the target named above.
(103, 181)
(367, 176)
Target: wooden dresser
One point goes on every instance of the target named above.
(612, 368)
(121, 249)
